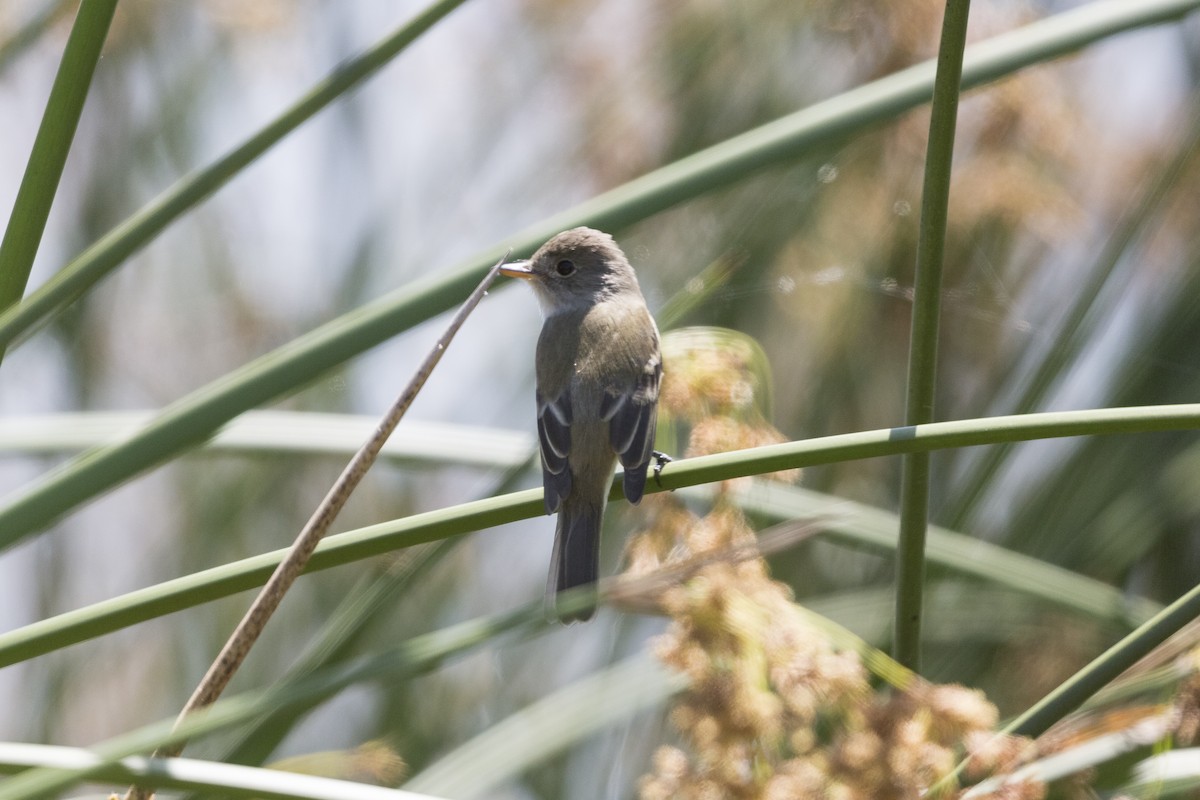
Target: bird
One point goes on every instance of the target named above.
(598, 369)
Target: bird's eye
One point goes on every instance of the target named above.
(565, 267)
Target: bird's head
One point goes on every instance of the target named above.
(575, 269)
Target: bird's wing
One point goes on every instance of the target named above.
(630, 411)
(554, 442)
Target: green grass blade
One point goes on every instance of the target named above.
(268, 433)
(1072, 693)
(1090, 754)
(330, 645)
(549, 726)
(196, 417)
(956, 607)
(25, 36)
(859, 525)
(95, 620)
(417, 655)
(922, 350)
(188, 773)
(50, 147)
(1173, 773)
(192, 420)
(1078, 327)
(131, 235)
(344, 629)
(211, 584)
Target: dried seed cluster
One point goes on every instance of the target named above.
(776, 710)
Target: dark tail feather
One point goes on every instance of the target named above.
(576, 559)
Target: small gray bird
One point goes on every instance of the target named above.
(598, 371)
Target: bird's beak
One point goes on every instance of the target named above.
(517, 269)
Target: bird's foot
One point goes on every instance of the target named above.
(660, 460)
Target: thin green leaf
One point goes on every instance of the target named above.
(1080, 321)
(548, 726)
(1169, 774)
(1089, 754)
(344, 629)
(50, 148)
(188, 773)
(278, 432)
(100, 618)
(956, 606)
(923, 345)
(860, 525)
(415, 656)
(1072, 693)
(131, 235)
(23, 37)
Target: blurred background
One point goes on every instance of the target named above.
(1071, 281)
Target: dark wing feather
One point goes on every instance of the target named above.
(632, 417)
(554, 442)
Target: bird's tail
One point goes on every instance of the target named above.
(576, 558)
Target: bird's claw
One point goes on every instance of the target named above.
(660, 460)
